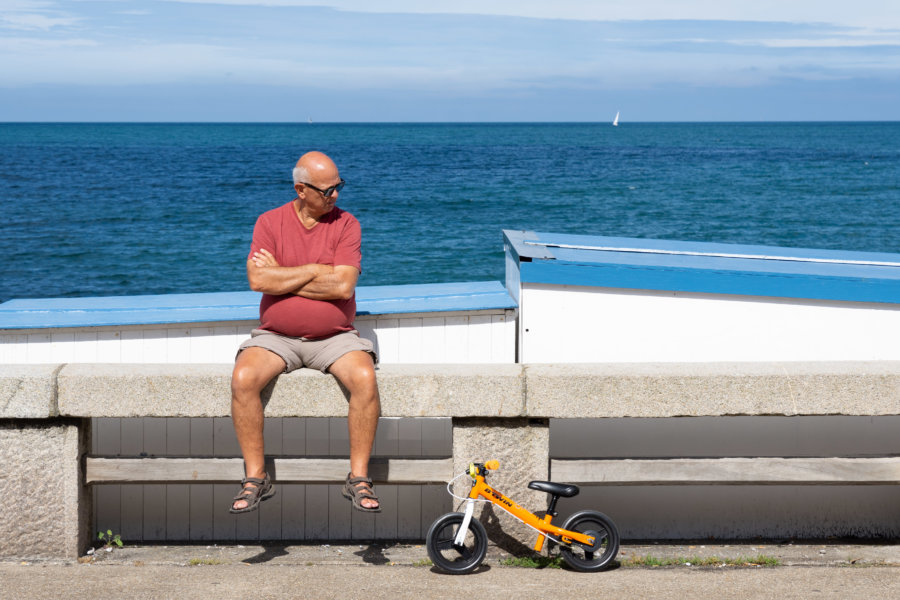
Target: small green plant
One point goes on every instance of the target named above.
(425, 562)
(109, 540)
(644, 561)
(759, 560)
(534, 562)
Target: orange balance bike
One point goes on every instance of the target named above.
(457, 542)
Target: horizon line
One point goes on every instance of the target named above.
(423, 122)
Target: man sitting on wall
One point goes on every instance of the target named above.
(305, 257)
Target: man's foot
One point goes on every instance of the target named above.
(253, 492)
(359, 491)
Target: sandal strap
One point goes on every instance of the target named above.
(357, 480)
(255, 480)
(248, 493)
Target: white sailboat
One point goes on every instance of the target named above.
(616, 120)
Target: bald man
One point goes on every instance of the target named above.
(305, 259)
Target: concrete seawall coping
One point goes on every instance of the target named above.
(508, 390)
(28, 391)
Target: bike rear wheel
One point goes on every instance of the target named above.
(443, 551)
(606, 544)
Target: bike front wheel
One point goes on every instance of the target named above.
(606, 541)
(446, 554)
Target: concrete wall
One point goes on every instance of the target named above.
(497, 411)
(47, 505)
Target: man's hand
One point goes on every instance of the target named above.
(264, 258)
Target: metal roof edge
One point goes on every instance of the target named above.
(43, 313)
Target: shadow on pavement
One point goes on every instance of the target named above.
(268, 553)
(373, 555)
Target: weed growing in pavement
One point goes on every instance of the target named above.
(109, 540)
(534, 562)
(760, 560)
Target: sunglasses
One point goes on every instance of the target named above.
(329, 191)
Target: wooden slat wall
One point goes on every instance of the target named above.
(101, 470)
(199, 511)
(475, 337)
(730, 471)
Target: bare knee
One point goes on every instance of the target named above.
(246, 383)
(254, 369)
(362, 385)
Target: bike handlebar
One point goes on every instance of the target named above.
(476, 469)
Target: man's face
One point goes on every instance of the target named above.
(321, 193)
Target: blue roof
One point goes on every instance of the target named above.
(40, 313)
(702, 267)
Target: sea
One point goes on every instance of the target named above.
(124, 209)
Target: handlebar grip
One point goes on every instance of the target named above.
(492, 465)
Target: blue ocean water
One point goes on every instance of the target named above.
(113, 209)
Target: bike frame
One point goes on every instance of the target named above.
(480, 489)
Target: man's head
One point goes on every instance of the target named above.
(317, 182)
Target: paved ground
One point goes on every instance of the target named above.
(830, 570)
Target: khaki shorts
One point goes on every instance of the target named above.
(313, 354)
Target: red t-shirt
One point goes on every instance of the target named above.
(336, 240)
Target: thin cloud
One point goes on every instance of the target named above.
(878, 14)
(370, 50)
(30, 21)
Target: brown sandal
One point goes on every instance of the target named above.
(263, 490)
(356, 489)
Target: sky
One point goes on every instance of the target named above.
(439, 60)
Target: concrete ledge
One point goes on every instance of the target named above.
(542, 391)
(111, 390)
(712, 389)
(562, 391)
(28, 391)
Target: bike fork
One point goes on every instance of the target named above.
(467, 518)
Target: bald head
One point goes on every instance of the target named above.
(314, 166)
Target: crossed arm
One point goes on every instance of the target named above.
(314, 281)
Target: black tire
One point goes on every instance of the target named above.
(605, 548)
(446, 556)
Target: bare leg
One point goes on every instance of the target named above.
(253, 370)
(356, 371)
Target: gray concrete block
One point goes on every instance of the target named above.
(46, 512)
(138, 390)
(451, 390)
(28, 391)
(712, 389)
(110, 390)
(407, 391)
(522, 446)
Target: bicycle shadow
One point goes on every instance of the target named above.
(482, 568)
(501, 539)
